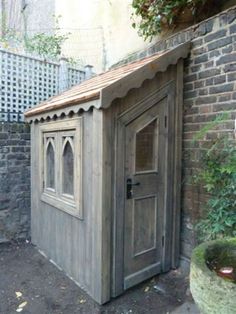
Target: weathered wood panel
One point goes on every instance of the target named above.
(96, 220)
(107, 193)
(71, 243)
(178, 162)
(132, 102)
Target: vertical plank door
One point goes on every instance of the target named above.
(146, 140)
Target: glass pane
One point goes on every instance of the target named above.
(68, 170)
(50, 166)
(146, 148)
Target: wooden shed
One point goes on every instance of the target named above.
(106, 173)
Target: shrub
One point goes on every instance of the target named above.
(154, 15)
(47, 45)
(218, 176)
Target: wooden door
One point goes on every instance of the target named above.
(146, 140)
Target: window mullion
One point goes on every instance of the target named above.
(58, 165)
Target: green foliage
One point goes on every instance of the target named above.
(211, 125)
(218, 176)
(153, 15)
(47, 45)
(41, 44)
(10, 38)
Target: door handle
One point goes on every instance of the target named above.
(129, 185)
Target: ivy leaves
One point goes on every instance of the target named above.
(151, 16)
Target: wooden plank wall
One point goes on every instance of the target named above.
(73, 244)
(87, 249)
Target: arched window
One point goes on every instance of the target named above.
(68, 168)
(62, 166)
(50, 166)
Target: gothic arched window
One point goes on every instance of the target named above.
(68, 167)
(62, 166)
(50, 164)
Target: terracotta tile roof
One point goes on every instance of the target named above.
(91, 89)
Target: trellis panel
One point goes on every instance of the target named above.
(75, 76)
(27, 81)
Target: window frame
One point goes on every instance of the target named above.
(49, 136)
(72, 205)
(62, 144)
(156, 148)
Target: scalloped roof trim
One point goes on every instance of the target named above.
(101, 90)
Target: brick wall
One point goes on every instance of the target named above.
(209, 90)
(14, 181)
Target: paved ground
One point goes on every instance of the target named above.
(31, 284)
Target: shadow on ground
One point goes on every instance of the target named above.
(47, 290)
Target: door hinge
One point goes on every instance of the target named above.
(165, 121)
(163, 241)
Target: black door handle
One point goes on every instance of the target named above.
(129, 182)
(129, 186)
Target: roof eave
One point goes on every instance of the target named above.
(135, 79)
(104, 97)
(64, 110)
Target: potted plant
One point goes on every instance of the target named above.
(213, 276)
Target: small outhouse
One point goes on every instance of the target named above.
(106, 172)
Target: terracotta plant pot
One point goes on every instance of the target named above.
(212, 293)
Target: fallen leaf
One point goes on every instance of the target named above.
(146, 289)
(19, 310)
(23, 304)
(18, 294)
(82, 301)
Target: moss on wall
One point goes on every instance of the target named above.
(212, 294)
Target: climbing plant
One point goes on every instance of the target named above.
(217, 175)
(151, 16)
